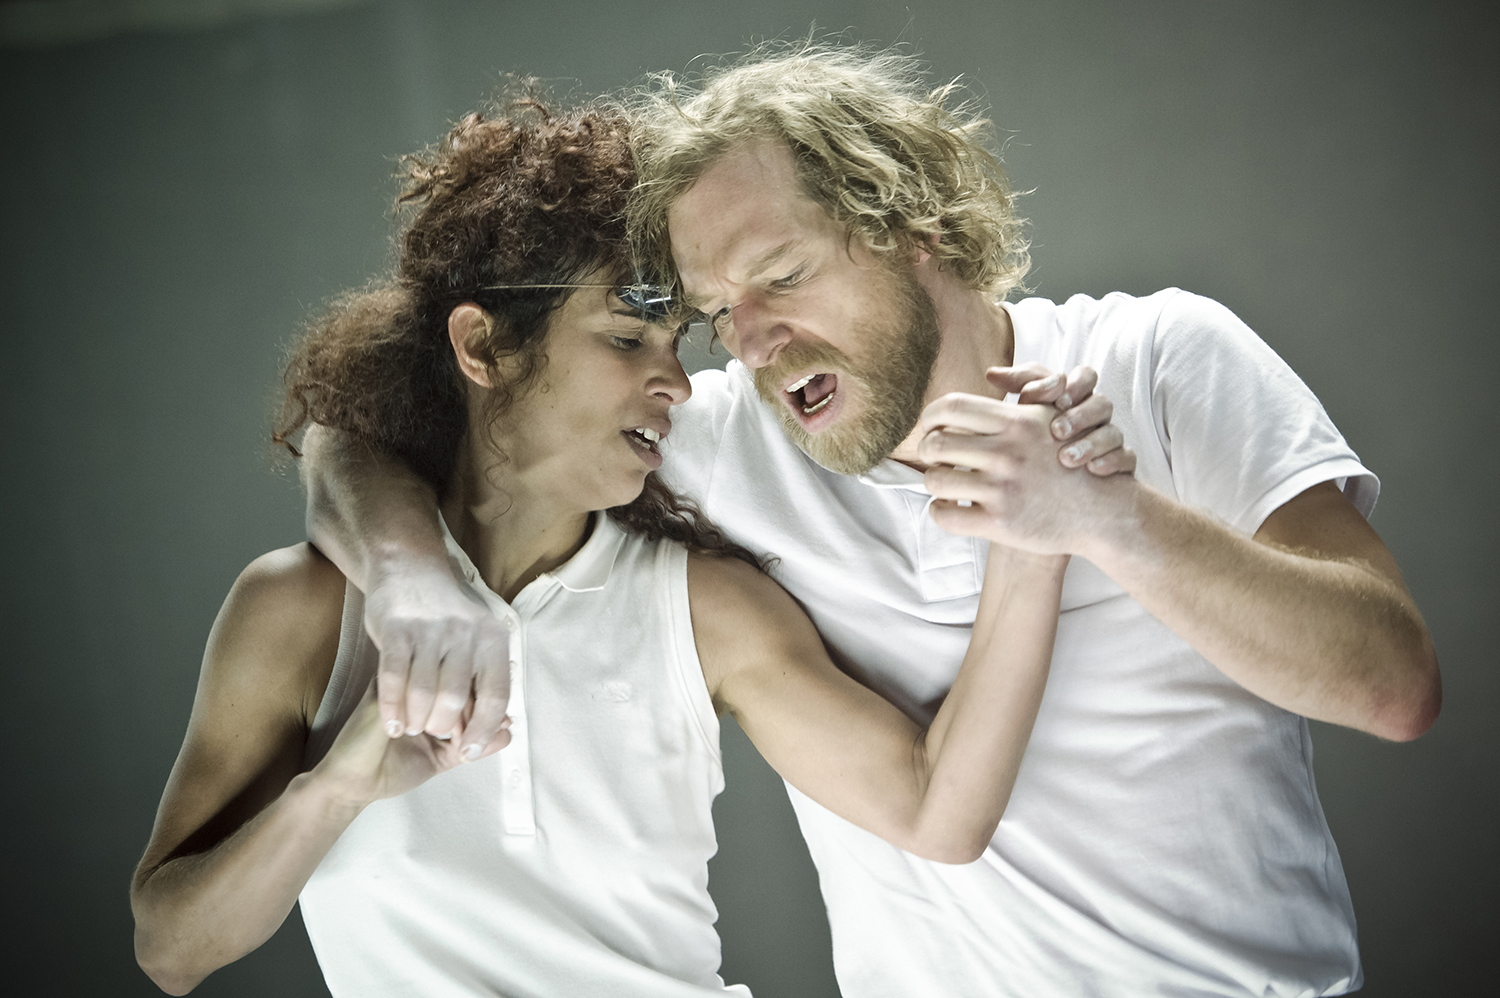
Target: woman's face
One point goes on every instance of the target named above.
(586, 431)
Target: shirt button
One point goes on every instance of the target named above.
(515, 777)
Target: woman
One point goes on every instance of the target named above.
(513, 363)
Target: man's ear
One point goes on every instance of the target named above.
(466, 323)
(923, 248)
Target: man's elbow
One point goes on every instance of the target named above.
(1411, 710)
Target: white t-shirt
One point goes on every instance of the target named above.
(574, 861)
(1164, 836)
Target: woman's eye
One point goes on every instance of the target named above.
(720, 319)
(626, 342)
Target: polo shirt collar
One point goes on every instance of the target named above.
(587, 571)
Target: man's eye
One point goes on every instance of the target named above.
(626, 342)
(789, 281)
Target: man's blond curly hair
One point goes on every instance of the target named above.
(883, 154)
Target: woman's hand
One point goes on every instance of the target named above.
(1082, 424)
(1007, 471)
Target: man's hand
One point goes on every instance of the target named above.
(1004, 471)
(444, 657)
(1082, 420)
(364, 765)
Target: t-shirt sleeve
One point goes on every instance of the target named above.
(1242, 432)
(690, 450)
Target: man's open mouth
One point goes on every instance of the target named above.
(813, 393)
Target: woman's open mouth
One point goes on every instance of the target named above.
(813, 399)
(644, 439)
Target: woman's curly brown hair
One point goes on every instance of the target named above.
(524, 195)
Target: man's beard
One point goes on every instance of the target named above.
(898, 341)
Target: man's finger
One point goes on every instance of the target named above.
(1081, 382)
(455, 679)
(1092, 412)
(1120, 461)
(421, 687)
(491, 698)
(1034, 383)
(1094, 444)
(958, 485)
(394, 668)
(970, 413)
(963, 450)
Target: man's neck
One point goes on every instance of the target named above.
(976, 335)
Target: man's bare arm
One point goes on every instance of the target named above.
(439, 644)
(1311, 614)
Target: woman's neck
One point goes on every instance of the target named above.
(511, 532)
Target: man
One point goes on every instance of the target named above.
(852, 243)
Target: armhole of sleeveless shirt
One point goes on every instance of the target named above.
(671, 567)
(346, 684)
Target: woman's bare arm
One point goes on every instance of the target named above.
(231, 848)
(239, 831)
(937, 793)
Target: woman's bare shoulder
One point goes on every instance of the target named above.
(279, 626)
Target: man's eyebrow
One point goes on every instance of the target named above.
(757, 267)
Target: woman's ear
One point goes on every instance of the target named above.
(466, 323)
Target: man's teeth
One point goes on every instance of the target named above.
(818, 405)
(650, 435)
(798, 386)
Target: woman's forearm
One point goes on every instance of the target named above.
(969, 756)
(197, 913)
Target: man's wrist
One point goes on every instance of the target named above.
(1118, 528)
(392, 559)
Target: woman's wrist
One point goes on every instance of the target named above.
(323, 793)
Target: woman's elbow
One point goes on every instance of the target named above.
(953, 846)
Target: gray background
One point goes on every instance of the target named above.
(182, 182)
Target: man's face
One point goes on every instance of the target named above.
(841, 341)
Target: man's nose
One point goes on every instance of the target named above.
(756, 333)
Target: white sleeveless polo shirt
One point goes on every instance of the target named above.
(573, 862)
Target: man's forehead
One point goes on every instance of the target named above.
(746, 214)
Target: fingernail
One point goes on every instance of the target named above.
(471, 752)
(393, 728)
(1064, 401)
(505, 721)
(1076, 452)
(1063, 428)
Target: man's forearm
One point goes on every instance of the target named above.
(365, 510)
(1327, 637)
